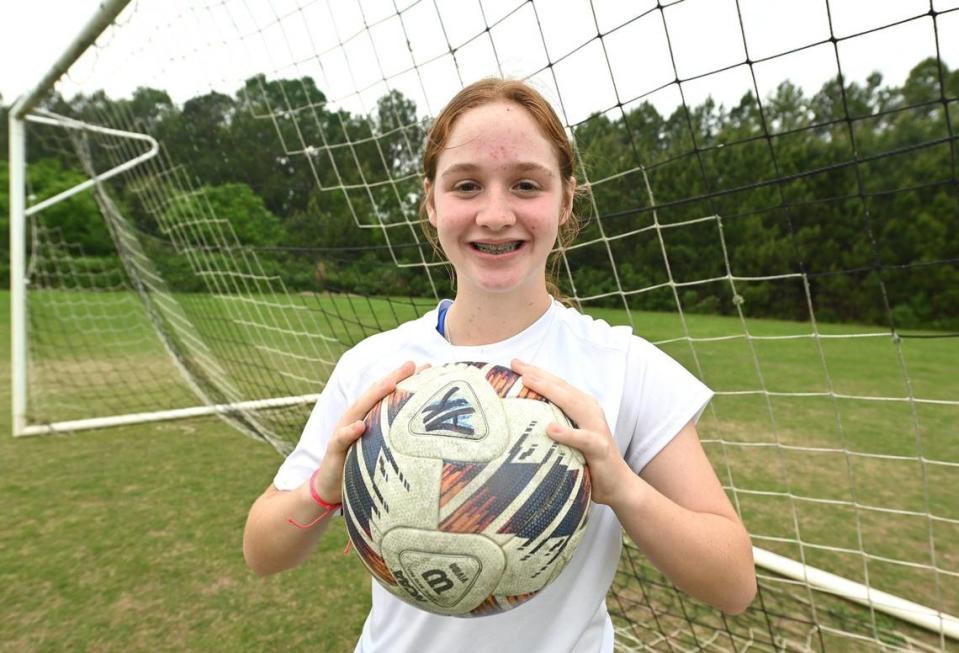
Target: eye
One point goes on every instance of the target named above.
(526, 186)
(466, 186)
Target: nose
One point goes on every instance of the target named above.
(496, 213)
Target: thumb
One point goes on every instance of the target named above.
(346, 435)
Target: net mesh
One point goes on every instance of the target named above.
(762, 206)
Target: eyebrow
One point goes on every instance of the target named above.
(523, 166)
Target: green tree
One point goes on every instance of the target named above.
(224, 216)
(77, 219)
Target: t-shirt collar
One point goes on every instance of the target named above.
(524, 343)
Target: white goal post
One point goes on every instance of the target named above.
(237, 274)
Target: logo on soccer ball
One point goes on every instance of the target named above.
(445, 578)
(452, 412)
(438, 581)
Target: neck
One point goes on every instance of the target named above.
(481, 319)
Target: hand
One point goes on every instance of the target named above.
(608, 471)
(329, 479)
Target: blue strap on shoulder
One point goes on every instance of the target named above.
(441, 316)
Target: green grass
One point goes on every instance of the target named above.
(128, 539)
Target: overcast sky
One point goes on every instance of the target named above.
(30, 41)
(189, 48)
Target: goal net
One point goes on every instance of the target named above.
(222, 197)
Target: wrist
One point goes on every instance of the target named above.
(324, 486)
(630, 491)
(319, 495)
(309, 496)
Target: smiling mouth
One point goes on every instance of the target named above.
(499, 248)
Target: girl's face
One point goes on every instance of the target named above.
(498, 200)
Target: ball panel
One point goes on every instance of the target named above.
(371, 559)
(543, 504)
(539, 546)
(528, 499)
(414, 503)
(510, 477)
(496, 604)
(480, 475)
(579, 511)
(447, 577)
(356, 491)
(457, 418)
(526, 393)
(553, 462)
(395, 401)
(502, 379)
(373, 441)
(486, 608)
(387, 489)
(455, 477)
(452, 411)
(442, 572)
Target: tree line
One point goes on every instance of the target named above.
(849, 195)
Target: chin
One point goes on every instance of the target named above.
(501, 286)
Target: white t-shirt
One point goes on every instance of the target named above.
(647, 395)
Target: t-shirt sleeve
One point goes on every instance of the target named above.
(659, 398)
(302, 462)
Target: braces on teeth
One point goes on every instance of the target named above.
(496, 249)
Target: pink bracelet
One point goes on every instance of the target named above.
(316, 496)
(328, 508)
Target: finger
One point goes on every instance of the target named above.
(582, 439)
(403, 371)
(527, 370)
(377, 391)
(579, 406)
(346, 435)
(520, 366)
(576, 438)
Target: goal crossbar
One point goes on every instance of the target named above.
(165, 415)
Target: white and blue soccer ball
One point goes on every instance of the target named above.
(456, 499)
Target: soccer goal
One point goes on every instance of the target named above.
(211, 201)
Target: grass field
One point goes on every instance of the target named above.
(128, 539)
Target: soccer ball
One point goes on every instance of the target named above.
(456, 499)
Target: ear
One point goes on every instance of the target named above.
(428, 201)
(569, 192)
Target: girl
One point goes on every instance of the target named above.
(498, 191)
